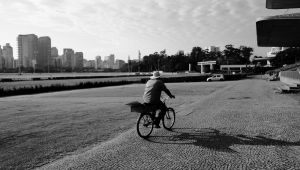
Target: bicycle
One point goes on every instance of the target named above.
(147, 116)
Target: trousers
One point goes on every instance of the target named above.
(161, 106)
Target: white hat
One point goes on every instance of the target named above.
(155, 75)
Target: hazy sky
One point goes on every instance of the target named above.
(122, 27)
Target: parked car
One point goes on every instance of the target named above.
(216, 77)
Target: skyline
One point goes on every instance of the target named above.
(114, 27)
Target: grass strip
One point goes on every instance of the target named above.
(60, 87)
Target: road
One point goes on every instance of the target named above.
(244, 125)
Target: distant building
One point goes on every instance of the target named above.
(16, 63)
(44, 52)
(85, 62)
(119, 64)
(106, 64)
(64, 57)
(59, 61)
(79, 60)
(54, 56)
(1, 58)
(98, 64)
(91, 63)
(212, 49)
(110, 61)
(139, 58)
(27, 49)
(275, 50)
(7, 55)
(70, 58)
(180, 52)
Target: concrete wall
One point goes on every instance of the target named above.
(290, 77)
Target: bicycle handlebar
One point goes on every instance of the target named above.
(166, 98)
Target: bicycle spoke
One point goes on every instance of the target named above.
(169, 119)
(144, 125)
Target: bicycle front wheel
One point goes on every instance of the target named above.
(144, 125)
(169, 119)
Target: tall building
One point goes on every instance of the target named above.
(44, 46)
(70, 58)
(54, 56)
(59, 61)
(64, 59)
(27, 49)
(180, 52)
(110, 61)
(98, 62)
(119, 63)
(1, 58)
(90, 63)
(79, 60)
(16, 63)
(7, 54)
(212, 49)
(85, 63)
(139, 56)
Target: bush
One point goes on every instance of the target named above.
(59, 87)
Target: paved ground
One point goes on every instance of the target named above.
(244, 125)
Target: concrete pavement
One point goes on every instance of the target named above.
(244, 125)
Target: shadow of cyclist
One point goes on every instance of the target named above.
(216, 140)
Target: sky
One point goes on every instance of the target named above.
(123, 27)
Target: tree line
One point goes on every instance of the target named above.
(180, 61)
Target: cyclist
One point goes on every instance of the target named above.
(152, 94)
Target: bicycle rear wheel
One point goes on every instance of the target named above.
(144, 125)
(169, 119)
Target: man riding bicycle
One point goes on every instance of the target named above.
(152, 94)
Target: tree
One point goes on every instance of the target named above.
(288, 56)
(237, 55)
(179, 67)
(246, 53)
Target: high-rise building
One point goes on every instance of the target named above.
(90, 63)
(44, 56)
(59, 61)
(85, 63)
(98, 64)
(16, 63)
(139, 56)
(1, 58)
(64, 59)
(93, 63)
(70, 58)
(119, 63)
(54, 56)
(7, 54)
(212, 49)
(79, 60)
(110, 61)
(27, 49)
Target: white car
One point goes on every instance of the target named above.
(216, 77)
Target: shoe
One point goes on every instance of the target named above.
(156, 124)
